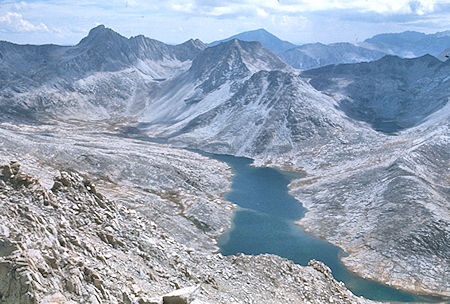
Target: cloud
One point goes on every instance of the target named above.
(230, 8)
(14, 22)
(68, 21)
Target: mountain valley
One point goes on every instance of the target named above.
(127, 114)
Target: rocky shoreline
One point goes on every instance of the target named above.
(388, 210)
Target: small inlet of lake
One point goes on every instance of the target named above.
(264, 223)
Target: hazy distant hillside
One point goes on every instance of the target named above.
(409, 44)
(315, 55)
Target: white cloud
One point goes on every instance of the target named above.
(68, 21)
(14, 22)
(262, 13)
(218, 8)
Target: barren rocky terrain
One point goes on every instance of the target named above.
(84, 225)
(371, 138)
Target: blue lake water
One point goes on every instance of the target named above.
(264, 223)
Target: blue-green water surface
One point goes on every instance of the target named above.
(264, 223)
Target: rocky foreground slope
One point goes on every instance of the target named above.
(70, 241)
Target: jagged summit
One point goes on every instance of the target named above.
(213, 76)
(102, 50)
(99, 29)
(236, 55)
(195, 42)
(232, 60)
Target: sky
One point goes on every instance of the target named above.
(66, 22)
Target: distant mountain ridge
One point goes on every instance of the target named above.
(101, 50)
(409, 43)
(391, 94)
(96, 78)
(314, 55)
(106, 75)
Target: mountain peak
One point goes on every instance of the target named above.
(267, 39)
(101, 30)
(244, 47)
(98, 28)
(234, 59)
(101, 34)
(197, 43)
(261, 30)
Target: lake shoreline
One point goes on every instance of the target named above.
(402, 294)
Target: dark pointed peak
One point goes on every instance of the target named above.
(101, 33)
(267, 39)
(102, 30)
(98, 28)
